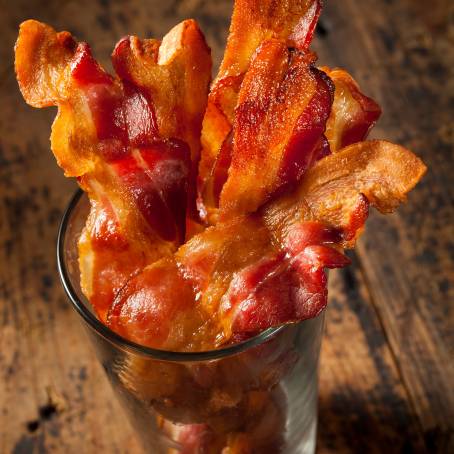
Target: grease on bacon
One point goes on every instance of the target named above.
(133, 147)
(252, 23)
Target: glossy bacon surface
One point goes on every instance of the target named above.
(253, 21)
(285, 180)
(175, 74)
(261, 121)
(353, 114)
(266, 269)
(132, 147)
(338, 190)
(280, 118)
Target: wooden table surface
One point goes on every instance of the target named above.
(386, 377)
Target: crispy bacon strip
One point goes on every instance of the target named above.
(253, 22)
(353, 114)
(337, 191)
(42, 63)
(129, 145)
(282, 287)
(266, 269)
(175, 74)
(262, 121)
(280, 118)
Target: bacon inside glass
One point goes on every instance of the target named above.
(214, 212)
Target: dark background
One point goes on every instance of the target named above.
(387, 376)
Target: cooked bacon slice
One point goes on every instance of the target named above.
(238, 288)
(42, 63)
(267, 132)
(129, 145)
(266, 269)
(162, 309)
(253, 22)
(285, 287)
(204, 264)
(175, 74)
(106, 256)
(339, 188)
(353, 114)
(280, 118)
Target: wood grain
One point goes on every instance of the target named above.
(364, 406)
(386, 378)
(406, 259)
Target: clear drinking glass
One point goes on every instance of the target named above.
(259, 396)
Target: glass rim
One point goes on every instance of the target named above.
(125, 344)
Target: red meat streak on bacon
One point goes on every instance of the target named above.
(304, 31)
(308, 143)
(370, 114)
(286, 287)
(155, 172)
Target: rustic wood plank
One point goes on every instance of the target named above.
(403, 55)
(364, 406)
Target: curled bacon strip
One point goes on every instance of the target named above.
(337, 191)
(132, 147)
(280, 140)
(252, 23)
(280, 118)
(175, 74)
(284, 287)
(353, 114)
